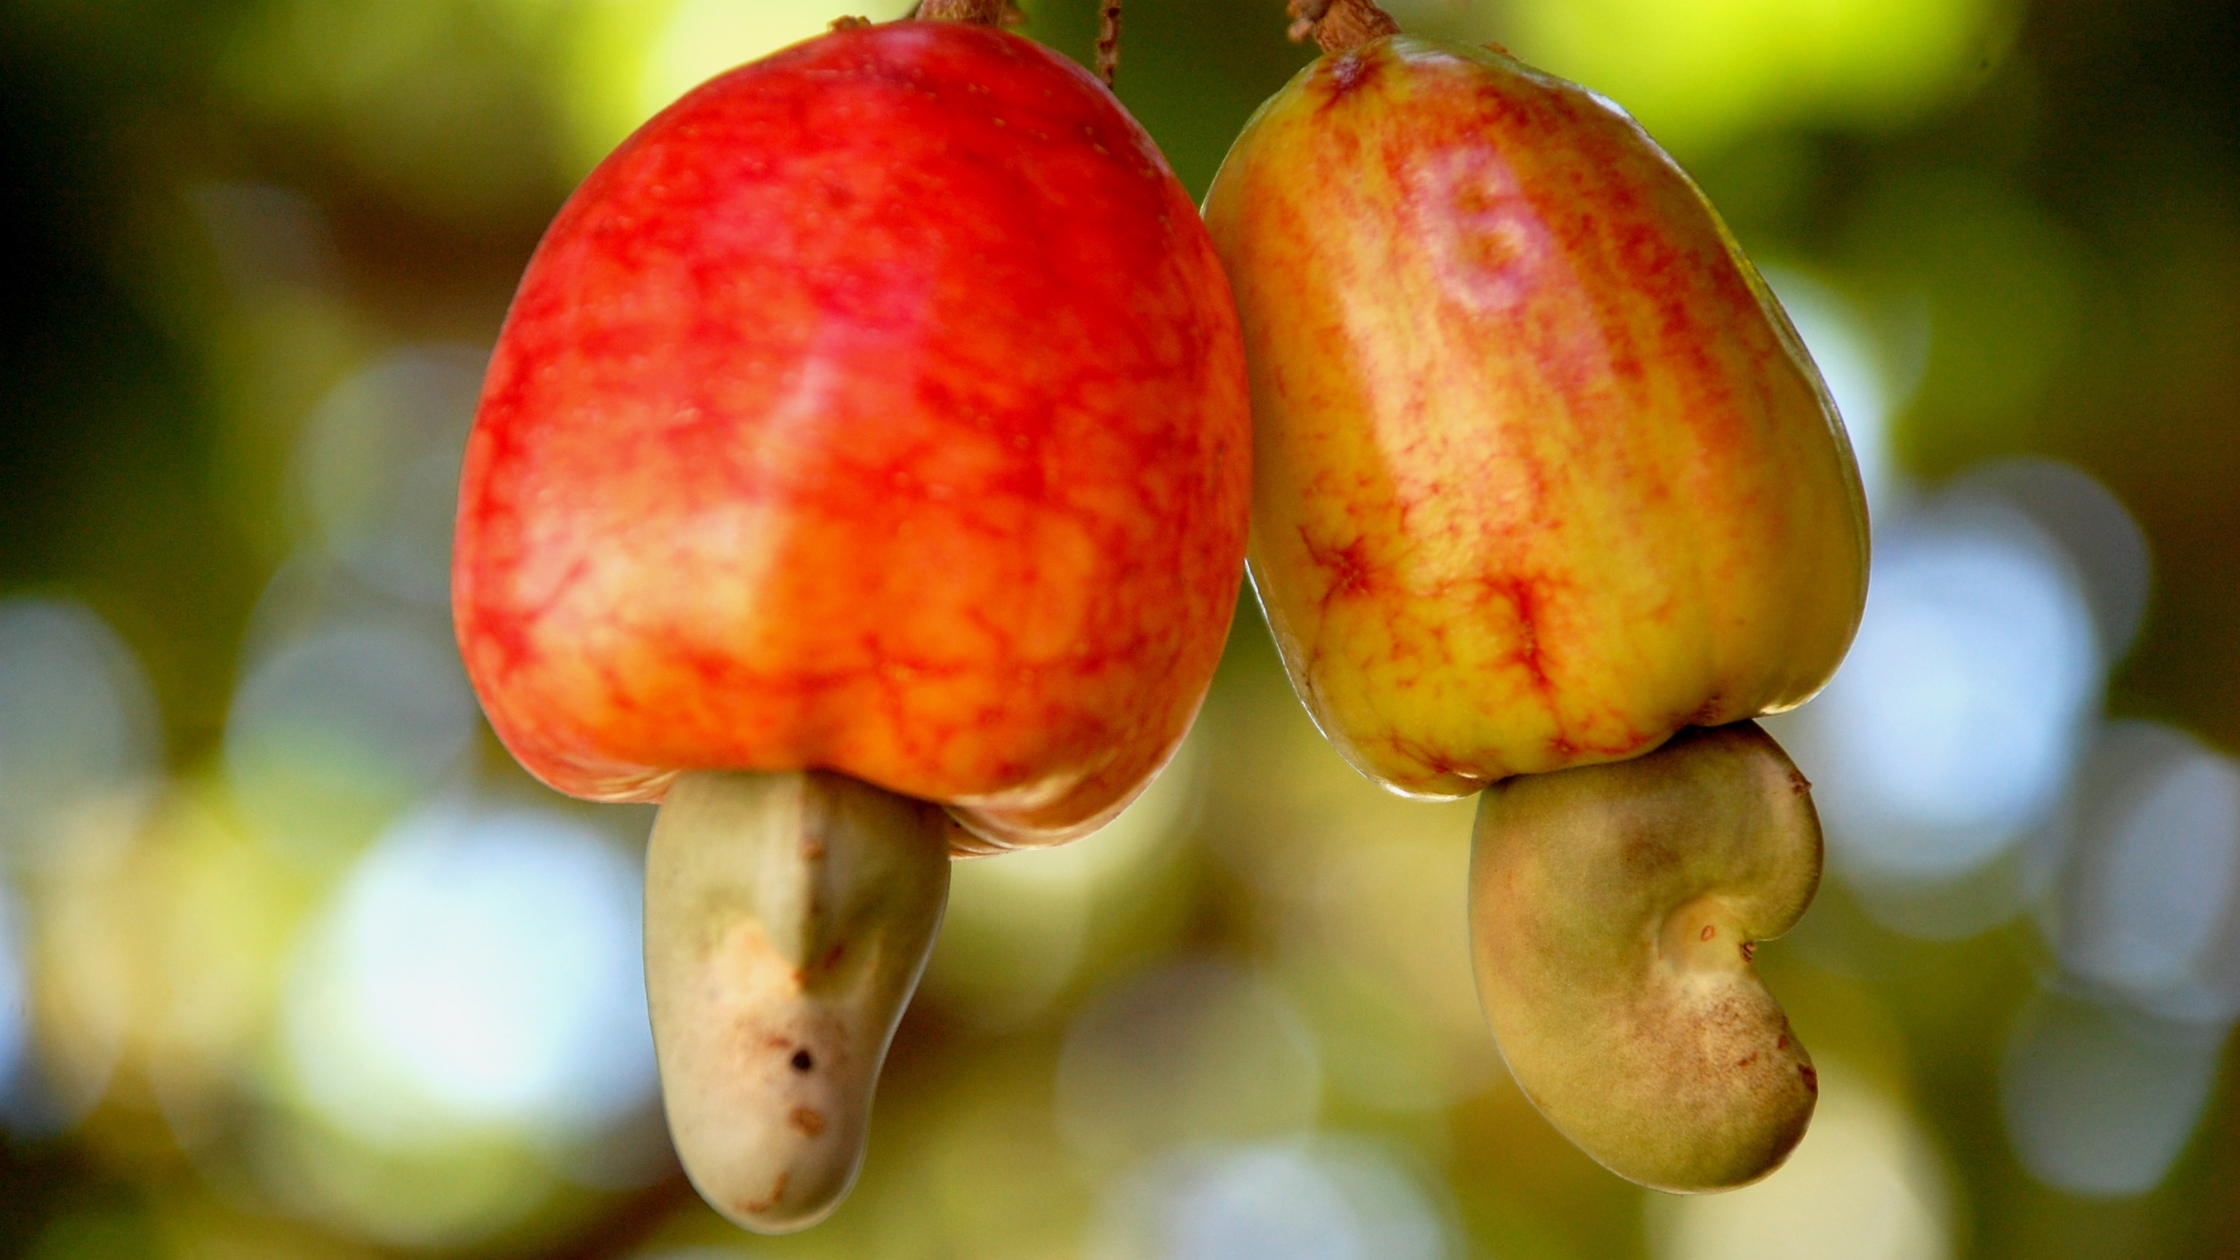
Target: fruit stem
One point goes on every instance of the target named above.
(976, 12)
(1108, 41)
(1340, 25)
(1005, 13)
(788, 917)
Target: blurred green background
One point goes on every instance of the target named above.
(295, 962)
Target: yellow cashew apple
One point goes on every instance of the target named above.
(1542, 474)
(1544, 483)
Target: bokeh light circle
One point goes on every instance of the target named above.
(2099, 1101)
(1329, 1199)
(77, 724)
(478, 969)
(335, 731)
(378, 467)
(2094, 530)
(2146, 909)
(1955, 722)
(15, 1015)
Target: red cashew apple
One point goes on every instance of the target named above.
(1542, 477)
(863, 470)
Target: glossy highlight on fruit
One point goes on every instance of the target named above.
(1542, 472)
(1615, 911)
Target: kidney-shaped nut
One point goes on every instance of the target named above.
(1614, 911)
(788, 917)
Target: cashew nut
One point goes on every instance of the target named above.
(1614, 910)
(788, 917)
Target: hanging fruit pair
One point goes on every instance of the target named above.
(862, 469)
(1544, 479)
(862, 473)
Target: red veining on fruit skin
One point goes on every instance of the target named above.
(879, 408)
(1536, 481)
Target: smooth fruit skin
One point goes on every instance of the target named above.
(1614, 913)
(788, 917)
(879, 407)
(1542, 472)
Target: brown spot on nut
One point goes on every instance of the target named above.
(807, 1120)
(756, 1207)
